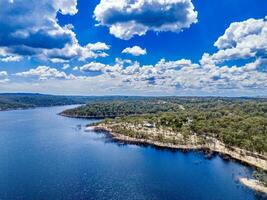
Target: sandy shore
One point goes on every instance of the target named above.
(250, 158)
(254, 184)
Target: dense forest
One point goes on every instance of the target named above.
(24, 101)
(10, 101)
(103, 107)
(240, 122)
(112, 109)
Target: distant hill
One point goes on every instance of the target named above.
(10, 101)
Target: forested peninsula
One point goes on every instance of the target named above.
(232, 124)
(233, 127)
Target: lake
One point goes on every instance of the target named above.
(47, 156)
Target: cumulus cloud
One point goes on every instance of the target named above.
(58, 60)
(66, 66)
(3, 73)
(76, 68)
(99, 46)
(182, 75)
(11, 59)
(67, 6)
(109, 69)
(135, 51)
(126, 18)
(93, 66)
(45, 73)
(24, 31)
(75, 51)
(31, 28)
(242, 40)
(211, 75)
(165, 77)
(6, 80)
(3, 77)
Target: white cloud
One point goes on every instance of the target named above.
(3, 77)
(66, 66)
(93, 66)
(212, 75)
(126, 18)
(24, 32)
(108, 69)
(11, 59)
(58, 60)
(135, 51)
(6, 80)
(45, 73)
(67, 6)
(242, 40)
(31, 28)
(3, 73)
(99, 46)
(75, 51)
(181, 75)
(75, 68)
(165, 77)
(240, 34)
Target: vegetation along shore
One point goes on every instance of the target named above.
(233, 127)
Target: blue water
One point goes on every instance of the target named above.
(47, 156)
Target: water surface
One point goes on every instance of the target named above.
(47, 156)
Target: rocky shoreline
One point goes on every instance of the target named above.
(243, 156)
(78, 116)
(254, 185)
(240, 155)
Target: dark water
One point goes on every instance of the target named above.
(46, 156)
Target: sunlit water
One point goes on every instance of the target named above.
(47, 156)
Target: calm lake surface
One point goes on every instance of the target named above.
(46, 156)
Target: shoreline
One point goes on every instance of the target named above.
(231, 154)
(14, 109)
(254, 185)
(79, 117)
(34, 107)
(240, 155)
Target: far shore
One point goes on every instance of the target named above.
(49, 106)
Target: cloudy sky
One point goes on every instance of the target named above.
(134, 47)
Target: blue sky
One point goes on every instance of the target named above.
(137, 47)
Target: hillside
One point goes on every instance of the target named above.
(24, 101)
(237, 122)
